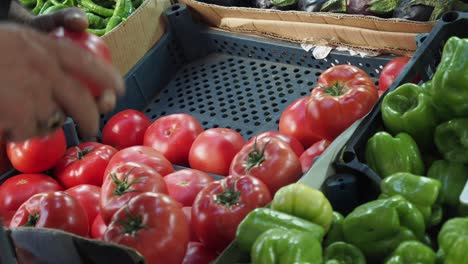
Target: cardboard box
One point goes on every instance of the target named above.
(130, 40)
(358, 32)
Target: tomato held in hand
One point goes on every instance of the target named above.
(295, 145)
(390, 72)
(84, 164)
(98, 228)
(213, 150)
(18, 189)
(173, 136)
(154, 225)
(197, 253)
(184, 185)
(308, 157)
(52, 210)
(188, 214)
(90, 42)
(293, 122)
(344, 94)
(37, 154)
(125, 182)
(270, 160)
(88, 197)
(222, 205)
(125, 129)
(141, 155)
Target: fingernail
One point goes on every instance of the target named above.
(107, 101)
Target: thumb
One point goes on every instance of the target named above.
(71, 18)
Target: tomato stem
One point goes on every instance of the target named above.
(82, 153)
(123, 186)
(133, 224)
(32, 220)
(337, 89)
(256, 157)
(230, 196)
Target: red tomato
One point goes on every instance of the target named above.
(98, 228)
(308, 157)
(52, 210)
(154, 225)
(222, 205)
(125, 129)
(213, 150)
(293, 122)
(125, 182)
(141, 155)
(197, 253)
(37, 154)
(184, 185)
(295, 145)
(84, 164)
(173, 136)
(344, 94)
(17, 189)
(188, 214)
(92, 43)
(270, 160)
(390, 72)
(88, 197)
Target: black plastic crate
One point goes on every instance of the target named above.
(424, 63)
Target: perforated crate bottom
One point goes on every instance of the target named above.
(247, 95)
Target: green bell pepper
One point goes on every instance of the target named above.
(452, 176)
(335, 234)
(387, 155)
(343, 253)
(451, 139)
(408, 109)
(453, 241)
(262, 219)
(305, 202)
(421, 191)
(378, 227)
(281, 246)
(449, 87)
(410, 252)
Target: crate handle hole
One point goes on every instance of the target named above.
(450, 17)
(175, 7)
(348, 156)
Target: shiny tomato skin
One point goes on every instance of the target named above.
(390, 72)
(84, 164)
(91, 43)
(213, 150)
(344, 94)
(293, 122)
(279, 168)
(215, 222)
(173, 136)
(18, 189)
(295, 145)
(197, 253)
(188, 214)
(141, 155)
(98, 228)
(88, 197)
(307, 158)
(37, 154)
(125, 129)
(130, 179)
(184, 185)
(163, 235)
(56, 210)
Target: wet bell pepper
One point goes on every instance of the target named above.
(387, 155)
(286, 246)
(335, 234)
(453, 241)
(451, 139)
(343, 253)
(408, 109)
(421, 191)
(449, 89)
(378, 227)
(262, 219)
(305, 202)
(412, 252)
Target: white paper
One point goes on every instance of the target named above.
(321, 52)
(307, 47)
(464, 195)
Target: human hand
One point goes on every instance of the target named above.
(37, 83)
(71, 18)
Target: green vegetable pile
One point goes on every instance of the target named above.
(103, 15)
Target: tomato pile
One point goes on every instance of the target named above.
(124, 189)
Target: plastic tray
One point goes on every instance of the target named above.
(424, 62)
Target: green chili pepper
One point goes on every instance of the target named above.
(96, 22)
(69, 3)
(136, 3)
(46, 5)
(97, 32)
(28, 3)
(38, 7)
(90, 6)
(343, 253)
(53, 9)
